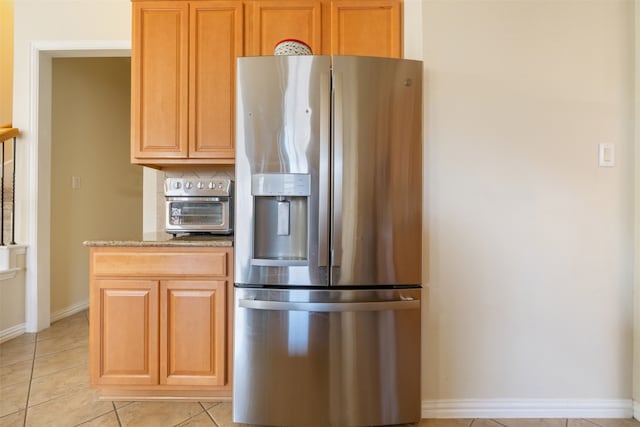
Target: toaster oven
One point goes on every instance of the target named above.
(198, 205)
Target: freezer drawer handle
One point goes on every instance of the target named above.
(404, 304)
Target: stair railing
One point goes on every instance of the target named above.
(6, 134)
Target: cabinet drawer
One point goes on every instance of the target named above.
(119, 261)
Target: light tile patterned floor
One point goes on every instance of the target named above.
(44, 383)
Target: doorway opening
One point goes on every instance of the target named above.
(36, 156)
(96, 193)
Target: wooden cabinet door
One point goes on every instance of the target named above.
(271, 21)
(366, 28)
(159, 80)
(124, 332)
(216, 40)
(193, 332)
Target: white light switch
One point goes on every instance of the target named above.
(75, 182)
(606, 155)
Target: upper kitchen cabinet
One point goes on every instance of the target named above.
(366, 28)
(329, 27)
(270, 21)
(183, 81)
(184, 56)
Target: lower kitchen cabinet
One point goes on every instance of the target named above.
(124, 321)
(161, 321)
(192, 332)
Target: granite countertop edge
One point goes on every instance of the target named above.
(216, 242)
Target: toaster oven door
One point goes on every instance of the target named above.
(198, 214)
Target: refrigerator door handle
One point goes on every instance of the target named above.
(338, 147)
(325, 307)
(323, 175)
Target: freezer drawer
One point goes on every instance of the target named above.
(326, 358)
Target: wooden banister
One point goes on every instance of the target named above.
(8, 133)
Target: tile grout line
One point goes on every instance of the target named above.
(193, 416)
(113, 403)
(91, 419)
(208, 414)
(33, 364)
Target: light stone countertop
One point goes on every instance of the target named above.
(201, 241)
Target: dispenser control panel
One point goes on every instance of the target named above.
(281, 184)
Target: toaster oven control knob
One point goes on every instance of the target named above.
(212, 185)
(188, 185)
(177, 185)
(200, 185)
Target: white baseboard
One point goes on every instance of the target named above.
(530, 408)
(636, 410)
(16, 331)
(69, 311)
(12, 332)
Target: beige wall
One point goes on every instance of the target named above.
(530, 242)
(6, 59)
(90, 140)
(636, 323)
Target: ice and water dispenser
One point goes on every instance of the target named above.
(280, 219)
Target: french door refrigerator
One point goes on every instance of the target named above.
(328, 241)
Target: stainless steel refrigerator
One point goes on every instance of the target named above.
(328, 241)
